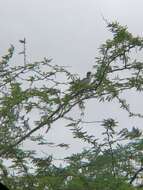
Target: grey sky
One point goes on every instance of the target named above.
(69, 31)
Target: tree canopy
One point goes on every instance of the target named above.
(35, 95)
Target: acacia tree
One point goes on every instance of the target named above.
(50, 92)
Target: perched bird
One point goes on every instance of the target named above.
(78, 84)
(87, 79)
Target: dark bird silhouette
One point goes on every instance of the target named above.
(84, 81)
(87, 79)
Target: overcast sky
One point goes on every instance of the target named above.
(69, 31)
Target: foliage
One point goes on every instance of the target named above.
(50, 92)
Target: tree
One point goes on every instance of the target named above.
(50, 92)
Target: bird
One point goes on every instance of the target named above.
(78, 84)
(87, 79)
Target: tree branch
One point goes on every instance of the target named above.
(135, 175)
